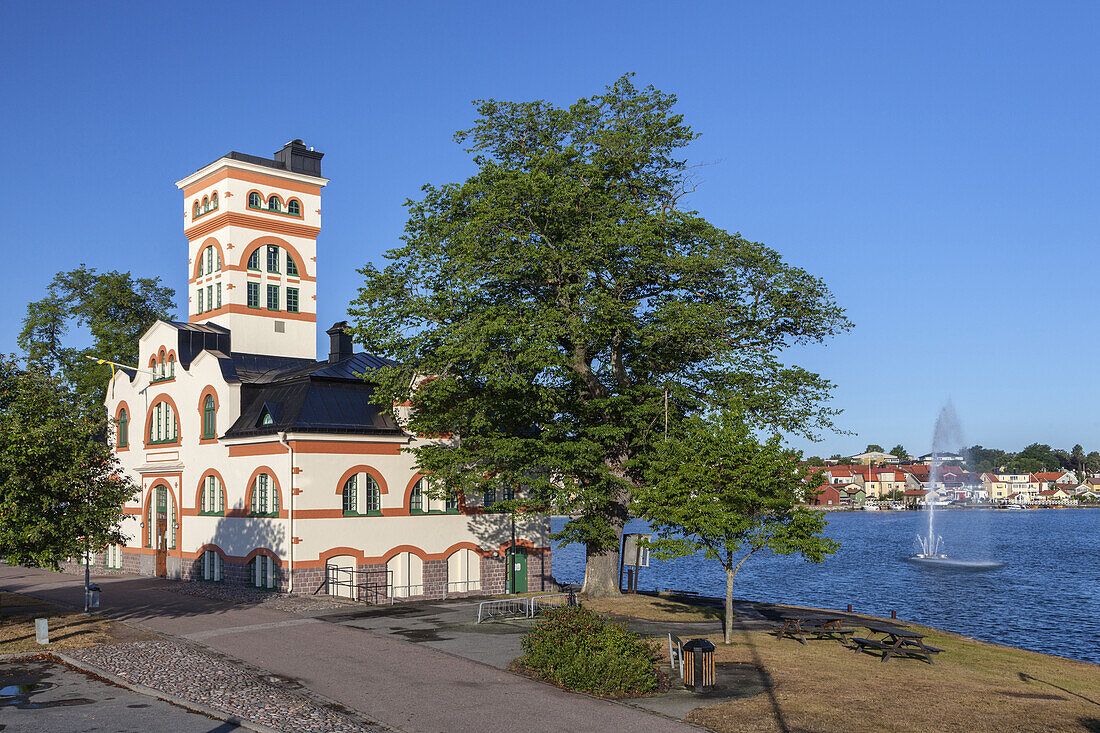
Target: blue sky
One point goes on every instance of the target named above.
(935, 163)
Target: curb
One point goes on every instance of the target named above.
(160, 695)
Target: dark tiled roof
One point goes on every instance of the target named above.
(302, 395)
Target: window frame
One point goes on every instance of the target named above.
(293, 300)
(122, 437)
(294, 208)
(212, 497)
(209, 418)
(213, 567)
(272, 296)
(269, 498)
(254, 260)
(253, 294)
(273, 251)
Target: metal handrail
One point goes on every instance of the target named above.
(539, 603)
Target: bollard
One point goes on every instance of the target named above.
(849, 608)
(699, 665)
(42, 630)
(893, 614)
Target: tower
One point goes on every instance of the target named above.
(251, 225)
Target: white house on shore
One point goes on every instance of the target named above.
(257, 463)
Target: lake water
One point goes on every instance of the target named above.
(1045, 598)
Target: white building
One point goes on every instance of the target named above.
(258, 464)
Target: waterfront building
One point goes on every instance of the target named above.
(259, 464)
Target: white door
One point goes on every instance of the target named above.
(408, 574)
(341, 576)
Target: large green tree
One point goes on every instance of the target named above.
(61, 490)
(715, 489)
(114, 307)
(556, 308)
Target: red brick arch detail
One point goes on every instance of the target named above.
(209, 546)
(202, 481)
(278, 490)
(199, 261)
(255, 244)
(122, 405)
(263, 551)
(466, 545)
(394, 551)
(360, 558)
(374, 473)
(211, 391)
(409, 490)
(150, 492)
(149, 416)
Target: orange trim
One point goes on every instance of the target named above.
(257, 449)
(178, 531)
(374, 473)
(408, 493)
(207, 243)
(129, 419)
(264, 241)
(332, 447)
(361, 559)
(211, 391)
(252, 479)
(319, 514)
(202, 482)
(249, 221)
(148, 418)
(245, 310)
(250, 177)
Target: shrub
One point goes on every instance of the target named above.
(579, 650)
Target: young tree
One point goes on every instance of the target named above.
(61, 490)
(900, 453)
(873, 448)
(565, 307)
(114, 306)
(714, 488)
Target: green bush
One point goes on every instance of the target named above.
(579, 650)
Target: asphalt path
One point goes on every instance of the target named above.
(45, 696)
(400, 684)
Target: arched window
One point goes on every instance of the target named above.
(195, 209)
(254, 260)
(217, 259)
(273, 202)
(163, 427)
(351, 496)
(291, 266)
(265, 499)
(213, 568)
(171, 365)
(261, 572)
(254, 201)
(209, 260)
(273, 258)
(450, 505)
(205, 204)
(123, 429)
(294, 208)
(463, 571)
(416, 501)
(212, 499)
(209, 428)
(214, 200)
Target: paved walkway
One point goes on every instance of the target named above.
(402, 685)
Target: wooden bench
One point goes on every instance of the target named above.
(905, 647)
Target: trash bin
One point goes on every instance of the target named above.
(699, 665)
(93, 596)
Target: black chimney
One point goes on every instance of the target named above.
(297, 158)
(340, 346)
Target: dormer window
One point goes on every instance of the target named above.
(269, 413)
(294, 208)
(195, 210)
(273, 203)
(205, 204)
(214, 200)
(267, 419)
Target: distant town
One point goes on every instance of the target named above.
(876, 480)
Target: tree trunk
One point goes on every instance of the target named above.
(730, 572)
(601, 572)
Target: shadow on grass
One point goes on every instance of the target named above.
(1090, 724)
(769, 690)
(1028, 678)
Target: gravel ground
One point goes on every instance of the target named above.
(255, 596)
(191, 674)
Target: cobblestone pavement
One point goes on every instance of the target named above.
(191, 674)
(255, 596)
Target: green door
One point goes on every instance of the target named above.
(517, 571)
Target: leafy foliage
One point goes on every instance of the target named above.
(116, 308)
(900, 453)
(60, 486)
(714, 488)
(555, 296)
(579, 650)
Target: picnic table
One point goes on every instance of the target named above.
(896, 641)
(822, 626)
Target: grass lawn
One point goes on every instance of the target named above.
(971, 687)
(652, 608)
(69, 629)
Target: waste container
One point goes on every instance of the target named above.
(699, 665)
(93, 596)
